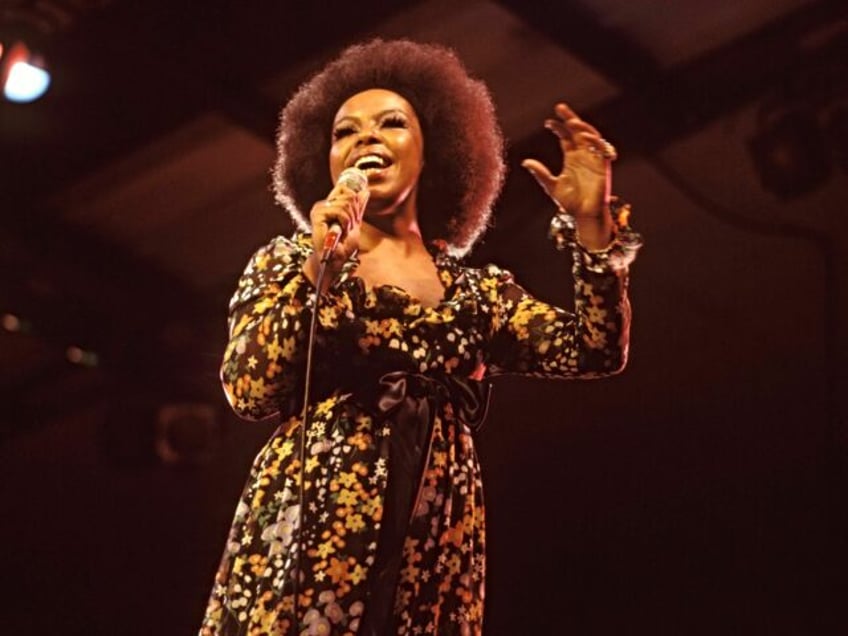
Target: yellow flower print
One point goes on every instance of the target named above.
(258, 388)
(371, 506)
(328, 316)
(325, 549)
(347, 479)
(288, 345)
(261, 262)
(264, 304)
(358, 574)
(596, 314)
(354, 522)
(274, 350)
(347, 497)
(326, 407)
(286, 449)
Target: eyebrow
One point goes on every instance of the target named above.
(378, 116)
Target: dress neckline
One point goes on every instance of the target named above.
(447, 270)
(395, 293)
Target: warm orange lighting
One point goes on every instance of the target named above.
(11, 323)
(76, 355)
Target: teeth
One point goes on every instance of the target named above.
(370, 161)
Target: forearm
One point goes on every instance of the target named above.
(263, 358)
(535, 338)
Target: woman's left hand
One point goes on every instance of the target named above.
(582, 187)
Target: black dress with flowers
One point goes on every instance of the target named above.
(393, 524)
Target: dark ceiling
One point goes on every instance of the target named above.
(693, 494)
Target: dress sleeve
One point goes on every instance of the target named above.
(535, 338)
(268, 327)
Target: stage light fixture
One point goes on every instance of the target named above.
(24, 76)
(82, 357)
(790, 154)
(186, 433)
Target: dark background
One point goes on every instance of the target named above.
(701, 492)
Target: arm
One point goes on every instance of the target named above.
(268, 325)
(536, 338)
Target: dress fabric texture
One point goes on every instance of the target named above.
(393, 521)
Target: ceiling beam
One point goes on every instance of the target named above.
(607, 50)
(658, 107)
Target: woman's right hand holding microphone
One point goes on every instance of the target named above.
(343, 208)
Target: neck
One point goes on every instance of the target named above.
(400, 227)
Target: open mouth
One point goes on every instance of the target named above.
(371, 163)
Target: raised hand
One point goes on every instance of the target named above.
(583, 185)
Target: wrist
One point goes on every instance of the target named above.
(595, 233)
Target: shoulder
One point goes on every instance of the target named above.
(489, 274)
(488, 283)
(280, 252)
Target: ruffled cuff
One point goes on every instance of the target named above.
(616, 257)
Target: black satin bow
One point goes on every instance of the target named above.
(420, 393)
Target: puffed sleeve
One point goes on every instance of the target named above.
(535, 338)
(268, 327)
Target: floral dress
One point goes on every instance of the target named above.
(393, 530)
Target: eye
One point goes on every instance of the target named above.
(394, 121)
(343, 131)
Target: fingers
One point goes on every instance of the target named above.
(573, 121)
(572, 131)
(541, 173)
(341, 209)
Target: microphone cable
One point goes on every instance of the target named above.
(357, 181)
(329, 248)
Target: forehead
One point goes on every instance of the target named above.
(372, 102)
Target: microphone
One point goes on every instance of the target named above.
(353, 179)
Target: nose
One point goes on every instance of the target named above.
(367, 135)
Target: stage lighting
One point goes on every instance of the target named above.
(790, 154)
(186, 433)
(24, 76)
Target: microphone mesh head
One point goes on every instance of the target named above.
(353, 178)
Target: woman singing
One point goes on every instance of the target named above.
(388, 537)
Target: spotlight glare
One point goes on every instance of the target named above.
(11, 323)
(83, 358)
(25, 83)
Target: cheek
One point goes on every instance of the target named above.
(336, 158)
